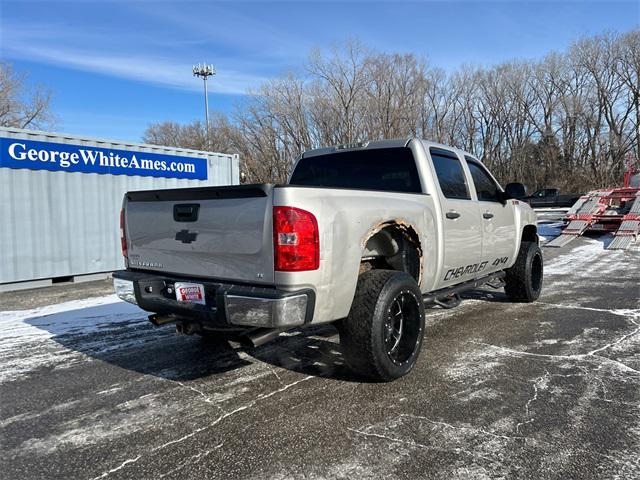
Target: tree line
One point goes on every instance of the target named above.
(568, 120)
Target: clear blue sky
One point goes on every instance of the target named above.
(115, 67)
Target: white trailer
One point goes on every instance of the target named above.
(60, 198)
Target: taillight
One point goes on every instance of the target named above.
(123, 237)
(296, 242)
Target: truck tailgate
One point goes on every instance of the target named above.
(212, 232)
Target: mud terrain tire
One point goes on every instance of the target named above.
(382, 337)
(523, 282)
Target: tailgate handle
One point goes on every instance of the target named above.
(186, 212)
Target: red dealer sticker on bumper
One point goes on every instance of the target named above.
(189, 292)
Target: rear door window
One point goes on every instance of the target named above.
(486, 188)
(451, 177)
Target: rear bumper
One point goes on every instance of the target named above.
(227, 305)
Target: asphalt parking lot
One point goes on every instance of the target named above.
(90, 390)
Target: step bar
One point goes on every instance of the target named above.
(437, 295)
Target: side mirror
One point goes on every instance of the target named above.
(514, 190)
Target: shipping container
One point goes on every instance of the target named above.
(60, 198)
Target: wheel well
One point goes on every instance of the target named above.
(393, 246)
(530, 234)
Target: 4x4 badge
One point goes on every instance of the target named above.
(185, 236)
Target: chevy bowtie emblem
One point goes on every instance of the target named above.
(185, 236)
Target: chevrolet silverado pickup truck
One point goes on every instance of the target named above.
(551, 197)
(362, 235)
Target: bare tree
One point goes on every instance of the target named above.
(23, 105)
(628, 68)
(600, 57)
(343, 77)
(566, 120)
(192, 135)
(394, 96)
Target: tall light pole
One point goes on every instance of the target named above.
(205, 71)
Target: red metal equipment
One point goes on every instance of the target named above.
(614, 210)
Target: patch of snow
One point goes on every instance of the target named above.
(110, 391)
(571, 261)
(23, 332)
(484, 393)
(104, 424)
(472, 364)
(74, 314)
(551, 209)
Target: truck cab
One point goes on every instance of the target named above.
(543, 198)
(551, 198)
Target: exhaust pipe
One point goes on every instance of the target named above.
(261, 336)
(158, 320)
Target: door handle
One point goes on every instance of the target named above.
(187, 212)
(452, 214)
(487, 215)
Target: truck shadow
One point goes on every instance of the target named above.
(311, 351)
(120, 334)
(494, 296)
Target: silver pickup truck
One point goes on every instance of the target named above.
(363, 235)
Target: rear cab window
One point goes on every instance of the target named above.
(451, 176)
(383, 169)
